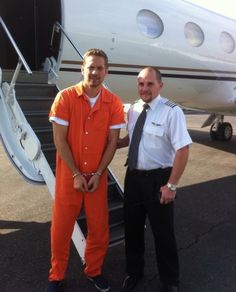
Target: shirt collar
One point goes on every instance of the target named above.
(103, 96)
(154, 102)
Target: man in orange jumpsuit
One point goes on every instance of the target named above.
(86, 122)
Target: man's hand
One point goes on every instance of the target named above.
(167, 196)
(80, 183)
(93, 183)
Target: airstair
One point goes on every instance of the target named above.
(25, 101)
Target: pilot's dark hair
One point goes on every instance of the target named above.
(156, 70)
(96, 52)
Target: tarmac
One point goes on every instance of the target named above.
(205, 221)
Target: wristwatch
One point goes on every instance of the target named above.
(172, 187)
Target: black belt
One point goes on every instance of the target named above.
(150, 172)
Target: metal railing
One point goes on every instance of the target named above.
(21, 60)
(56, 28)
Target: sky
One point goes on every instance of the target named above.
(226, 7)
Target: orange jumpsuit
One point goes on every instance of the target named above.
(88, 130)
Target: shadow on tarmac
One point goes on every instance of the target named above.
(203, 138)
(206, 235)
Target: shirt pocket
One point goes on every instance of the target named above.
(102, 122)
(153, 136)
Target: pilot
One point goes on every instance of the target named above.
(86, 121)
(158, 152)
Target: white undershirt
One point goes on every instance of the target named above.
(93, 100)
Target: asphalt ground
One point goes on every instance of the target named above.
(205, 219)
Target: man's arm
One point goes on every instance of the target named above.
(64, 151)
(106, 158)
(180, 161)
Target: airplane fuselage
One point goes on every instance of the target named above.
(193, 47)
(198, 66)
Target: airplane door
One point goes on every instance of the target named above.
(30, 22)
(19, 18)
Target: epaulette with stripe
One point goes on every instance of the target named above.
(170, 103)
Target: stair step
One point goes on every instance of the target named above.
(24, 77)
(116, 232)
(37, 118)
(44, 135)
(115, 216)
(35, 89)
(48, 147)
(49, 151)
(115, 193)
(33, 103)
(114, 207)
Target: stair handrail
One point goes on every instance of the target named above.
(57, 26)
(15, 46)
(21, 60)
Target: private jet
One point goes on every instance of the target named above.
(42, 44)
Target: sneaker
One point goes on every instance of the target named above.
(100, 283)
(54, 286)
(129, 283)
(169, 288)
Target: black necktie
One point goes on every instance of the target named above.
(136, 137)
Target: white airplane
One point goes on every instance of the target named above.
(194, 48)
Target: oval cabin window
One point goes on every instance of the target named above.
(149, 24)
(227, 42)
(193, 34)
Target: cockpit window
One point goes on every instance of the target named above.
(149, 23)
(227, 42)
(193, 34)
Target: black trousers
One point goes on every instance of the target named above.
(141, 200)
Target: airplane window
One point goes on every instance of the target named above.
(149, 23)
(193, 34)
(227, 42)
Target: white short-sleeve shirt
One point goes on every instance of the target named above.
(164, 133)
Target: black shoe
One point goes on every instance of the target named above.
(170, 288)
(54, 286)
(100, 283)
(129, 283)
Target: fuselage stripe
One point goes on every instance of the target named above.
(165, 75)
(138, 67)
